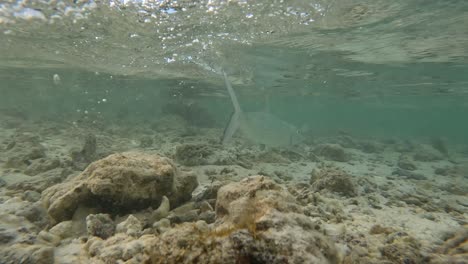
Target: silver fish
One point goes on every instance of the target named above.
(259, 127)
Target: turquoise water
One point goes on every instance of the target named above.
(368, 67)
(375, 92)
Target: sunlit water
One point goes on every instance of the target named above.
(395, 68)
(388, 80)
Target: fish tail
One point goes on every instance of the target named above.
(234, 121)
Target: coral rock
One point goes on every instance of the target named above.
(332, 152)
(334, 180)
(100, 225)
(120, 183)
(132, 226)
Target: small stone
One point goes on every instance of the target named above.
(206, 207)
(100, 225)
(193, 154)
(23, 151)
(332, 152)
(334, 180)
(44, 255)
(35, 213)
(132, 226)
(2, 182)
(190, 216)
(208, 191)
(49, 237)
(378, 229)
(162, 225)
(6, 236)
(208, 216)
(62, 229)
(202, 226)
(31, 196)
(409, 174)
(37, 254)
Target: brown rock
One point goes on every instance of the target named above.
(120, 183)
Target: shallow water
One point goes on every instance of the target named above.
(377, 90)
(322, 63)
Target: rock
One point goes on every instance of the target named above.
(193, 154)
(454, 249)
(249, 217)
(205, 207)
(119, 184)
(35, 213)
(120, 249)
(401, 248)
(184, 184)
(332, 152)
(333, 179)
(15, 229)
(442, 171)
(41, 165)
(27, 254)
(2, 182)
(208, 216)
(409, 174)
(132, 226)
(271, 156)
(22, 150)
(31, 196)
(162, 225)
(378, 229)
(43, 180)
(404, 162)
(63, 229)
(48, 238)
(370, 146)
(404, 146)
(100, 225)
(182, 217)
(257, 221)
(209, 154)
(6, 236)
(207, 191)
(427, 154)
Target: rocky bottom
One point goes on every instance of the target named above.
(78, 195)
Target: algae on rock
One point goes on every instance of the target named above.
(120, 183)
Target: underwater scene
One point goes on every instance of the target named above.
(234, 131)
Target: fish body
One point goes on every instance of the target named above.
(259, 127)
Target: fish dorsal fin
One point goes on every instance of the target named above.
(234, 121)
